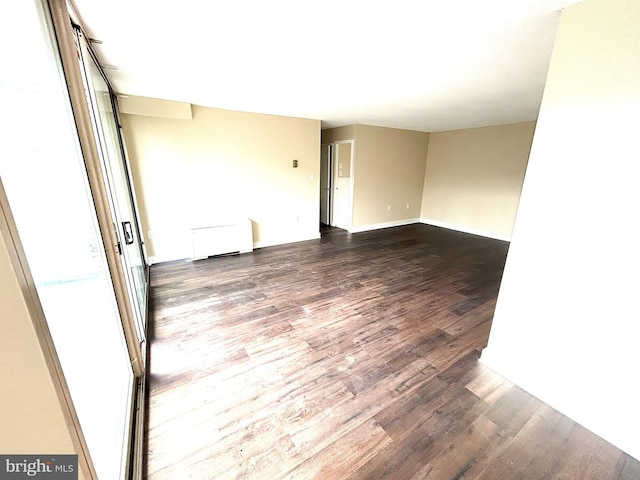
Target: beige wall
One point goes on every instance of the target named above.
(389, 167)
(566, 325)
(389, 171)
(31, 418)
(474, 178)
(331, 135)
(221, 165)
(468, 180)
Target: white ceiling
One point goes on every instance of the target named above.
(420, 65)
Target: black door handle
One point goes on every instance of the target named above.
(128, 233)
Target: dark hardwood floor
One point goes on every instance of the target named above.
(349, 357)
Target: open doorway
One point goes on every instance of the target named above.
(325, 186)
(336, 184)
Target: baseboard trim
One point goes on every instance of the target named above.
(315, 236)
(378, 226)
(153, 259)
(159, 259)
(364, 228)
(473, 231)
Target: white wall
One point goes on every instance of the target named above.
(567, 323)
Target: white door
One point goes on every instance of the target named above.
(325, 184)
(342, 165)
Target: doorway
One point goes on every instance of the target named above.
(342, 181)
(325, 185)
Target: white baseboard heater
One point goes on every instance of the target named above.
(222, 237)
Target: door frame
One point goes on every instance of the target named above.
(69, 57)
(82, 115)
(108, 163)
(329, 182)
(334, 176)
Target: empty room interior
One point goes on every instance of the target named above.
(351, 240)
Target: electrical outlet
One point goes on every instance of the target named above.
(407, 206)
(149, 234)
(388, 208)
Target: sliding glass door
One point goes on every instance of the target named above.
(107, 132)
(44, 174)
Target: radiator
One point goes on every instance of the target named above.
(225, 237)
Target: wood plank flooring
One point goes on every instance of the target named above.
(348, 357)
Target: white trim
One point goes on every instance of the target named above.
(153, 259)
(334, 176)
(377, 226)
(329, 181)
(304, 238)
(364, 228)
(473, 231)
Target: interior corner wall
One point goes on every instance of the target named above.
(31, 417)
(220, 166)
(331, 135)
(473, 178)
(388, 174)
(566, 325)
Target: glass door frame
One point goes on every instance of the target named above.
(70, 60)
(122, 205)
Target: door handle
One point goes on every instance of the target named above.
(128, 233)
